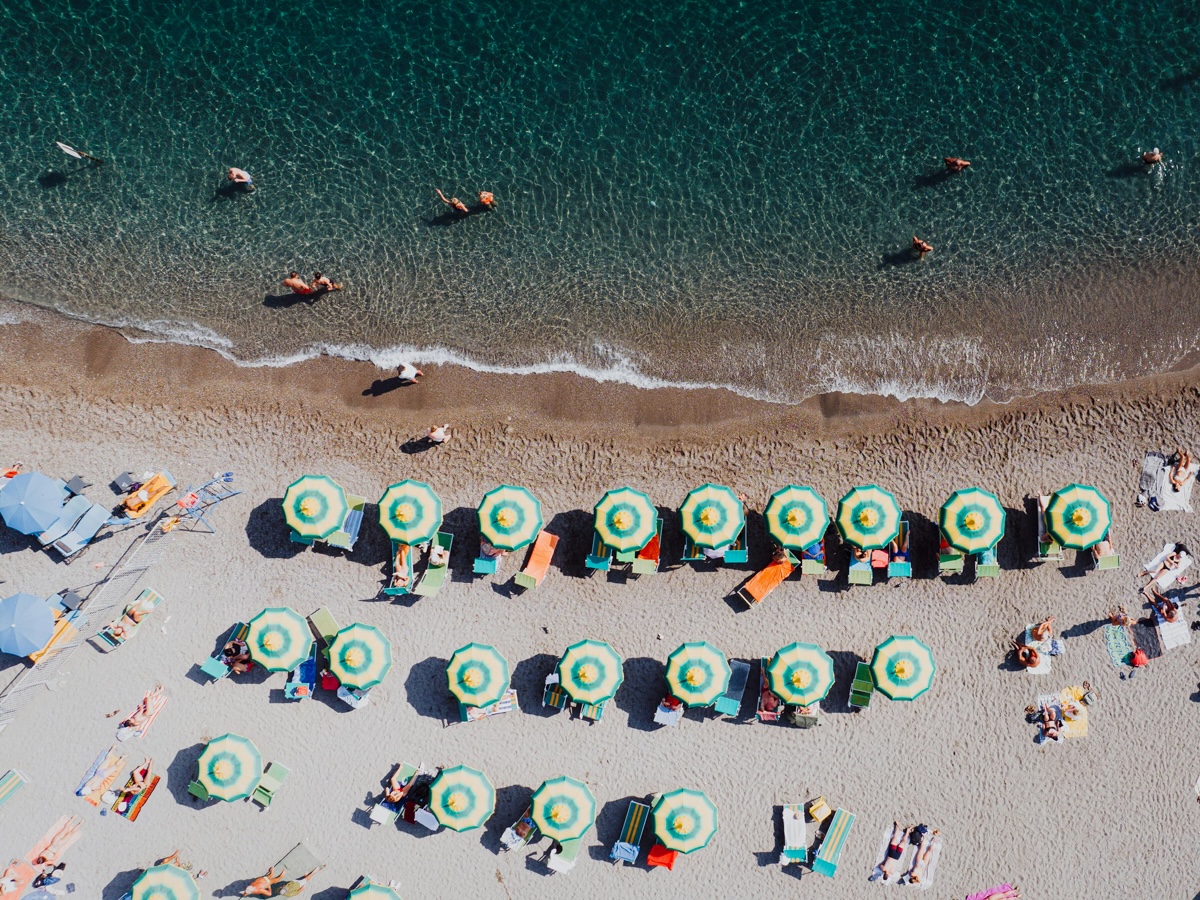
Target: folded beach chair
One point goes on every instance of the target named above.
(84, 531)
(765, 688)
(738, 552)
(860, 572)
(818, 809)
(862, 686)
(826, 861)
(346, 536)
(272, 777)
(986, 564)
(811, 719)
(215, 666)
(646, 560)
(795, 836)
(564, 859)
(601, 555)
(661, 856)
(665, 715)
(812, 559)
(555, 696)
(629, 844)
(302, 680)
(385, 813)
(71, 512)
(730, 703)
(692, 553)
(198, 790)
(511, 840)
(900, 560)
(765, 581)
(324, 625)
(11, 782)
(538, 562)
(435, 576)
(146, 602)
(1048, 548)
(486, 565)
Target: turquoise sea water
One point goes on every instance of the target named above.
(688, 192)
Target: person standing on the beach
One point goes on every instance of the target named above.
(297, 284)
(439, 434)
(1152, 157)
(241, 178)
(920, 247)
(409, 373)
(954, 164)
(454, 203)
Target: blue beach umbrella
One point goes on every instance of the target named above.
(31, 502)
(26, 624)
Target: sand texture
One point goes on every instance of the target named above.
(1067, 821)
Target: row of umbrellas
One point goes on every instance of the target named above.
(972, 519)
(169, 882)
(279, 639)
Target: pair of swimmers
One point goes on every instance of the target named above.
(486, 201)
(320, 284)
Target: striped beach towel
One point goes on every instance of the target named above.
(1117, 645)
(107, 759)
(156, 706)
(11, 782)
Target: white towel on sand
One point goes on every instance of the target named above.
(1043, 649)
(1173, 500)
(1172, 634)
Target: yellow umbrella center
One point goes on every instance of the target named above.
(559, 813)
(506, 518)
(708, 516)
(472, 679)
(222, 770)
(272, 641)
(794, 517)
(456, 802)
(354, 657)
(405, 512)
(801, 678)
(867, 518)
(587, 674)
(1080, 517)
(308, 507)
(694, 676)
(622, 520)
(903, 669)
(973, 521)
(681, 824)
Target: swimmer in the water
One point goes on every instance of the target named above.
(920, 247)
(454, 203)
(1152, 157)
(954, 164)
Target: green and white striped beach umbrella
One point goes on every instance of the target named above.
(410, 512)
(563, 808)
(478, 675)
(796, 517)
(462, 798)
(972, 520)
(315, 506)
(1078, 516)
(509, 517)
(801, 674)
(165, 882)
(360, 656)
(697, 674)
(713, 516)
(372, 891)
(230, 767)
(279, 639)
(590, 672)
(626, 519)
(868, 517)
(685, 820)
(902, 667)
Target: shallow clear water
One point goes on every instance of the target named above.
(689, 192)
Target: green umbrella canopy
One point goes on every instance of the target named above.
(279, 639)
(165, 882)
(868, 517)
(796, 517)
(410, 512)
(684, 820)
(713, 516)
(626, 519)
(477, 674)
(509, 517)
(1078, 516)
(462, 798)
(590, 672)
(902, 667)
(230, 767)
(314, 506)
(697, 674)
(801, 674)
(972, 520)
(563, 808)
(360, 656)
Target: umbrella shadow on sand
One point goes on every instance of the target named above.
(180, 772)
(267, 531)
(529, 681)
(120, 884)
(644, 686)
(427, 690)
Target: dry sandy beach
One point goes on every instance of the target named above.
(1097, 817)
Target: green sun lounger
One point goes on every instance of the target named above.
(860, 572)
(643, 565)
(601, 556)
(950, 563)
(486, 565)
(826, 861)
(198, 790)
(324, 625)
(986, 564)
(738, 552)
(812, 559)
(272, 779)
(628, 845)
(861, 687)
(564, 859)
(435, 576)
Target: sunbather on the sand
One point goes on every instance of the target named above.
(10, 882)
(1026, 655)
(1173, 560)
(890, 866)
(1043, 630)
(920, 865)
(13, 471)
(1051, 723)
(1181, 464)
(61, 840)
(264, 884)
(140, 777)
(111, 766)
(400, 566)
(397, 791)
(144, 710)
(1163, 605)
(1120, 618)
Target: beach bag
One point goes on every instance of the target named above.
(1139, 658)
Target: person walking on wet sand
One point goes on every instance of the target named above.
(954, 164)
(920, 247)
(297, 284)
(1152, 157)
(408, 373)
(454, 203)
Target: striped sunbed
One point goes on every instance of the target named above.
(11, 782)
(826, 861)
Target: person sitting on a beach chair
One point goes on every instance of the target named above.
(400, 566)
(397, 790)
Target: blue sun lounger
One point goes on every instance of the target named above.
(66, 520)
(826, 861)
(302, 680)
(628, 846)
(84, 532)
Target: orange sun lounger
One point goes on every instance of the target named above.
(139, 503)
(539, 560)
(754, 590)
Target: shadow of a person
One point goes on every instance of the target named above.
(932, 179)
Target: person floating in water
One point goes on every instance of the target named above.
(454, 203)
(954, 164)
(297, 284)
(322, 283)
(241, 178)
(1152, 157)
(487, 200)
(920, 247)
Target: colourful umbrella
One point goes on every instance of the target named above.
(478, 675)
(410, 512)
(26, 624)
(868, 517)
(796, 517)
(590, 672)
(314, 506)
(902, 667)
(462, 798)
(685, 820)
(626, 519)
(360, 656)
(279, 639)
(563, 808)
(972, 520)
(509, 517)
(31, 502)
(372, 891)
(165, 883)
(1078, 516)
(713, 516)
(697, 673)
(230, 767)
(801, 674)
